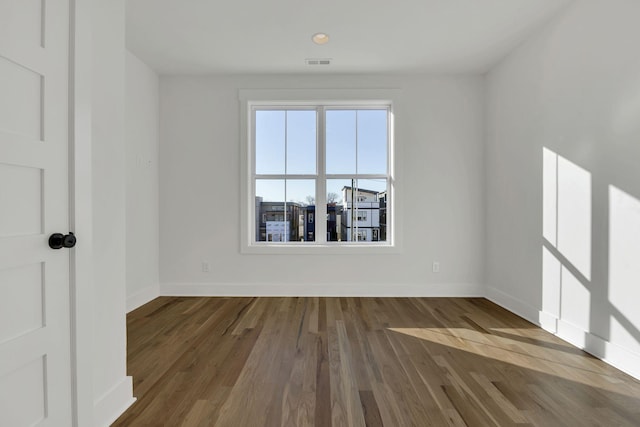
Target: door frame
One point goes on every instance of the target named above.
(81, 286)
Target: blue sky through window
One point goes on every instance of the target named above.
(341, 141)
(270, 142)
(301, 142)
(356, 142)
(372, 141)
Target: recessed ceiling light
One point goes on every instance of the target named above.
(320, 38)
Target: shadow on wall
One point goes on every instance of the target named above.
(568, 303)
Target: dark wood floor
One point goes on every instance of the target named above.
(362, 361)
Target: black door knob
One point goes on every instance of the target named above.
(59, 240)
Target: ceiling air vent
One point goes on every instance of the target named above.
(318, 61)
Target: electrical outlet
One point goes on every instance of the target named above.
(206, 267)
(435, 267)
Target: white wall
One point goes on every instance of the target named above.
(574, 89)
(439, 128)
(142, 215)
(112, 388)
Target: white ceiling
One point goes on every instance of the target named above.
(367, 36)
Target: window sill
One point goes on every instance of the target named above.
(319, 249)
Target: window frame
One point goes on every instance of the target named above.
(320, 100)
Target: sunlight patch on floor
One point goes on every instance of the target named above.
(572, 367)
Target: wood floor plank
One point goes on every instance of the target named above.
(346, 378)
(432, 404)
(393, 362)
(370, 409)
(299, 399)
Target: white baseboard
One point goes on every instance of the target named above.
(113, 403)
(619, 357)
(514, 305)
(548, 322)
(322, 289)
(572, 334)
(142, 297)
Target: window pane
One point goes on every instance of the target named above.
(301, 191)
(270, 142)
(335, 205)
(359, 210)
(377, 203)
(355, 143)
(372, 141)
(301, 142)
(270, 190)
(341, 141)
(270, 224)
(301, 197)
(280, 221)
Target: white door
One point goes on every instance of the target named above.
(35, 380)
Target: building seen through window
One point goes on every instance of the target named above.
(361, 216)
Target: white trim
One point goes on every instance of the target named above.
(113, 403)
(330, 248)
(81, 211)
(290, 96)
(322, 289)
(318, 97)
(142, 297)
(514, 305)
(619, 357)
(548, 322)
(572, 334)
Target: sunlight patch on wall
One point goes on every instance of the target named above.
(574, 215)
(549, 196)
(624, 267)
(551, 280)
(566, 229)
(575, 301)
(566, 209)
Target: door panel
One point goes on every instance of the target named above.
(24, 388)
(22, 213)
(21, 103)
(22, 20)
(35, 355)
(22, 311)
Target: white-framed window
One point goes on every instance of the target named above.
(327, 156)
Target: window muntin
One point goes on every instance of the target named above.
(285, 142)
(280, 203)
(350, 149)
(364, 208)
(356, 141)
(341, 137)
